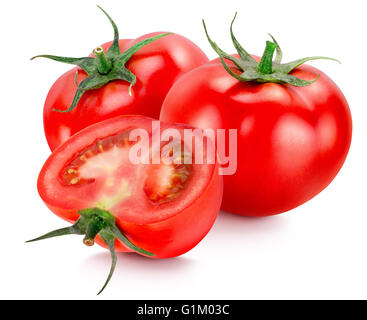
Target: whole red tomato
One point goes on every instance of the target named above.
(127, 77)
(293, 134)
(157, 209)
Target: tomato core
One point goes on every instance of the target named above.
(106, 162)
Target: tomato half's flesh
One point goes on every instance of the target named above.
(163, 208)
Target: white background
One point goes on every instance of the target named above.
(315, 251)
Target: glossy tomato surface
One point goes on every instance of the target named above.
(292, 141)
(156, 66)
(162, 208)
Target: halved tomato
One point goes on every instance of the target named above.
(147, 204)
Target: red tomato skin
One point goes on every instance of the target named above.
(165, 238)
(157, 66)
(292, 141)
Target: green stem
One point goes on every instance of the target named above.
(93, 222)
(93, 228)
(267, 70)
(103, 65)
(266, 63)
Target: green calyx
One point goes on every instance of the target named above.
(267, 70)
(93, 222)
(105, 67)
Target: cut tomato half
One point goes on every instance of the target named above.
(117, 172)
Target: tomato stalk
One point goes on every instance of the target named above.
(93, 222)
(248, 69)
(103, 68)
(266, 64)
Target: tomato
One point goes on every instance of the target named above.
(163, 209)
(293, 136)
(156, 66)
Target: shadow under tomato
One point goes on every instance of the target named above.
(229, 229)
(236, 227)
(134, 263)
